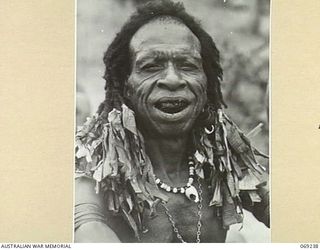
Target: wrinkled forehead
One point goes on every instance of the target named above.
(161, 34)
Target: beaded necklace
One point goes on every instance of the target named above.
(189, 190)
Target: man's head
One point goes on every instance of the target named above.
(179, 44)
(167, 84)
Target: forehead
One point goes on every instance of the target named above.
(164, 36)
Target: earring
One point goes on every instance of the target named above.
(207, 118)
(208, 132)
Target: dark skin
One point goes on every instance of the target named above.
(183, 211)
(167, 66)
(167, 69)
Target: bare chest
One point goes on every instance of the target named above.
(183, 217)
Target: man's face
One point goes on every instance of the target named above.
(167, 85)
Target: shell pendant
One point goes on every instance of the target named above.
(192, 194)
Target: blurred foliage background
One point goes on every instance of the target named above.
(240, 29)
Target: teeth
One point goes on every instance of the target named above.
(171, 106)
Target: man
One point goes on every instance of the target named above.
(160, 161)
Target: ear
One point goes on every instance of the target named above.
(127, 94)
(127, 91)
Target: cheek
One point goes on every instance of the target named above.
(202, 86)
(138, 89)
(198, 85)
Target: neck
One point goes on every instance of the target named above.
(168, 155)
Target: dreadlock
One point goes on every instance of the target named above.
(117, 58)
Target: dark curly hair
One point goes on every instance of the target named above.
(117, 58)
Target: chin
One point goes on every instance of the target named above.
(173, 130)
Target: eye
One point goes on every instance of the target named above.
(151, 67)
(188, 67)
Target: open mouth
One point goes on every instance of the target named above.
(171, 105)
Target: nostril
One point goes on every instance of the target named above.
(172, 85)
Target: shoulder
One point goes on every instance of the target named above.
(260, 208)
(85, 192)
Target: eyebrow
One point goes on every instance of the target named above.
(161, 55)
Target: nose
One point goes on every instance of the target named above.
(172, 80)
